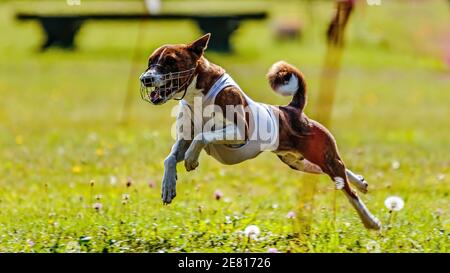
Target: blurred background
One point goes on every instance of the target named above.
(108, 55)
(71, 112)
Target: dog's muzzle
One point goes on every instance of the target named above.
(159, 88)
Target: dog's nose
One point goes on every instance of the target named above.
(152, 78)
(146, 78)
(143, 76)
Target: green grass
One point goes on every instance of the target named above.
(59, 131)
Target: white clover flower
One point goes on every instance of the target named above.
(373, 2)
(395, 165)
(61, 150)
(252, 231)
(97, 206)
(151, 183)
(113, 180)
(30, 242)
(373, 246)
(394, 203)
(73, 247)
(218, 194)
(92, 137)
(291, 215)
(272, 250)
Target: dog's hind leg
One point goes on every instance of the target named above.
(336, 170)
(357, 180)
(368, 219)
(299, 163)
(334, 167)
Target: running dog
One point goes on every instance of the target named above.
(180, 71)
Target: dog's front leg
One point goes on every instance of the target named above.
(192, 154)
(168, 190)
(227, 135)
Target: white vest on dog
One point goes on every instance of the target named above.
(263, 132)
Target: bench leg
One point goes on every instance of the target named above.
(221, 30)
(60, 32)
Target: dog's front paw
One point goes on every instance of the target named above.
(190, 161)
(169, 188)
(190, 164)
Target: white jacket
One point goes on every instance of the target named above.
(263, 129)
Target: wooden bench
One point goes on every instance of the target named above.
(62, 29)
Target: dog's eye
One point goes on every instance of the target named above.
(286, 78)
(170, 60)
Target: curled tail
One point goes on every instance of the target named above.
(287, 80)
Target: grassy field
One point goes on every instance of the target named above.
(63, 153)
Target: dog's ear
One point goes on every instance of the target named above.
(199, 45)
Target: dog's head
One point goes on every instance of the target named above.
(170, 70)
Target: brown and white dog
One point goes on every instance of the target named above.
(303, 144)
